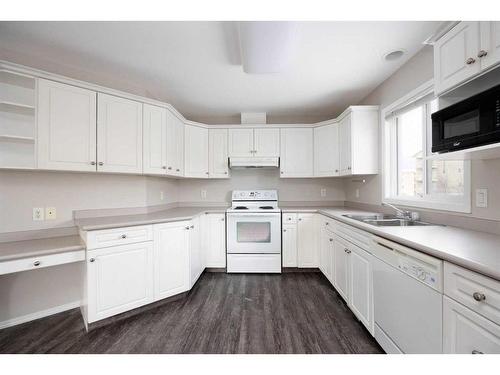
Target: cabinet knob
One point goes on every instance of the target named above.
(164, 167)
(281, 172)
(331, 239)
(36, 263)
(123, 236)
(177, 170)
(101, 163)
(477, 352)
(225, 172)
(191, 227)
(348, 168)
(92, 163)
(327, 223)
(206, 173)
(479, 296)
(187, 228)
(482, 53)
(284, 230)
(91, 260)
(169, 168)
(300, 219)
(222, 219)
(347, 251)
(336, 171)
(470, 61)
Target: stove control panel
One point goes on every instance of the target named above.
(255, 195)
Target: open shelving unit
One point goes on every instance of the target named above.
(17, 120)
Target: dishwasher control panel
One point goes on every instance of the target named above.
(421, 271)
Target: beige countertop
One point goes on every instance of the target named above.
(477, 251)
(164, 216)
(45, 246)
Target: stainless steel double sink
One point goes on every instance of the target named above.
(383, 220)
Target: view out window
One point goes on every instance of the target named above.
(413, 178)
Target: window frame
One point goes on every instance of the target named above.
(390, 161)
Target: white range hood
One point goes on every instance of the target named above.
(253, 162)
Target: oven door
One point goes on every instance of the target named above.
(254, 233)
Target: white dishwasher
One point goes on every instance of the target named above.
(408, 299)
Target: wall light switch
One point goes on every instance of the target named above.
(38, 214)
(50, 213)
(482, 198)
(323, 192)
(203, 194)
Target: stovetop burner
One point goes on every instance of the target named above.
(266, 207)
(241, 208)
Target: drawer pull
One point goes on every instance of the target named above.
(327, 223)
(123, 236)
(36, 263)
(347, 251)
(479, 296)
(477, 352)
(284, 230)
(91, 260)
(331, 239)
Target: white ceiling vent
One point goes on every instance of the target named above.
(266, 46)
(253, 118)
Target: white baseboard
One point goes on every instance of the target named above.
(39, 314)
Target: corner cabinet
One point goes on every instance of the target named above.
(66, 127)
(358, 140)
(217, 154)
(155, 140)
(467, 50)
(119, 131)
(195, 152)
(297, 152)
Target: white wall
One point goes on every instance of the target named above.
(289, 189)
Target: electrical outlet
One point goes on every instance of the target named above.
(482, 198)
(203, 194)
(323, 192)
(50, 213)
(38, 214)
(161, 195)
(357, 193)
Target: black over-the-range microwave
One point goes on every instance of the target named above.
(469, 123)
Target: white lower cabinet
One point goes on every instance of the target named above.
(465, 331)
(361, 285)
(341, 267)
(171, 259)
(289, 245)
(214, 240)
(307, 248)
(119, 279)
(326, 253)
(196, 255)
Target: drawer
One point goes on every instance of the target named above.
(327, 223)
(353, 235)
(33, 263)
(479, 293)
(118, 236)
(289, 218)
(466, 332)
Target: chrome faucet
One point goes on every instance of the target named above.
(406, 215)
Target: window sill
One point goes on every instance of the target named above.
(462, 207)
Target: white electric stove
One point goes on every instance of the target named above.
(254, 232)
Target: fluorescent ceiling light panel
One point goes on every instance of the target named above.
(266, 46)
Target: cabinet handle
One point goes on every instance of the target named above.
(284, 230)
(347, 251)
(92, 163)
(164, 167)
(327, 223)
(177, 170)
(477, 352)
(91, 260)
(331, 239)
(348, 168)
(222, 219)
(281, 172)
(470, 61)
(187, 228)
(169, 168)
(300, 219)
(123, 236)
(36, 263)
(289, 218)
(101, 163)
(479, 296)
(336, 171)
(191, 227)
(225, 172)
(206, 173)
(482, 53)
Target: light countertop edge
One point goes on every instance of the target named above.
(40, 247)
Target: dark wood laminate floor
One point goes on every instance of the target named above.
(287, 313)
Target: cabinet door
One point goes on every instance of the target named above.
(327, 249)
(216, 241)
(175, 145)
(195, 151)
(466, 332)
(267, 142)
(155, 139)
(66, 127)
(360, 280)
(296, 152)
(490, 44)
(341, 267)
(171, 259)
(345, 145)
(195, 252)
(326, 151)
(119, 134)
(241, 142)
(217, 153)
(120, 278)
(307, 248)
(289, 245)
(455, 56)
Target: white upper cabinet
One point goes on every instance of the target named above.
(217, 153)
(455, 56)
(490, 43)
(196, 152)
(467, 50)
(241, 142)
(155, 139)
(358, 140)
(175, 145)
(66, 127)
(326, 151)
(266, 142)
(119, 134)
(296, 152)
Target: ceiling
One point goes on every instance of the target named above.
(196, 66)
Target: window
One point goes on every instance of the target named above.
(412, 178)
